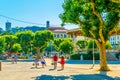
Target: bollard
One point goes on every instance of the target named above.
(0, 66)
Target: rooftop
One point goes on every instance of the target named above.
(57, 29)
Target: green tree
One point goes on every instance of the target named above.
(82, 44)
(108, 45)
(58, 41)
(66, 47)
(16, 48)
(90, 46)
(25, 39)
(10, 40)
(2, 45)
(50, 47)
(97, 18)
(41, 40)
(7, 33)
(91, 43)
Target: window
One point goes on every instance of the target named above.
(54, 35)
(61, 35)
(57, 35)
(65, 35)
(117, 37)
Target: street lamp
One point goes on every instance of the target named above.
(50, 48)
(93, 57)
(31, 50)
(31, 47)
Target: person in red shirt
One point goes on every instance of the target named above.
(62, 62)
(55, 60)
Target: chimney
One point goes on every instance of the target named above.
(47, 24)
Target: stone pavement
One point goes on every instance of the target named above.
(25, 71)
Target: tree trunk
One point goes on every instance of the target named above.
(38, 50)
(38, 53)
(103, 60)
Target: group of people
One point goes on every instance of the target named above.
(42, 60)
(54, 61)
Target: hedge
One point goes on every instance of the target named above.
(85, 56)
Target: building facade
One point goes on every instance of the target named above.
(59, 32)
(115, 40)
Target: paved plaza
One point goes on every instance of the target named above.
(24, 70)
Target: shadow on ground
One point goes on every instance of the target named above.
(75, 77)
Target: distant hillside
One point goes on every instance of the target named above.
(32, 28)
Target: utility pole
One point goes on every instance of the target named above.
(93, 57)
(31, 51)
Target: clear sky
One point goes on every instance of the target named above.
(36, 11)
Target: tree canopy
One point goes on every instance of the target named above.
(82, 44)
(2, 45)
(25, 39)
(41, 39)
(10, 40)
(58, 41)
(66, 46)
(93, 16)
(16, 48)
(96, 18)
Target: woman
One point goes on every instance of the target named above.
(43, 62)
(62, 62)
(36, 62)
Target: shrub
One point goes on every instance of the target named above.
(75, 56)
(85, 56)
(117, 55)
(22, 57)
(33, 56)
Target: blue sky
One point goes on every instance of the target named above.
(37, 11)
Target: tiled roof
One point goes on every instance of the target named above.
(64, 31)
(57, 29)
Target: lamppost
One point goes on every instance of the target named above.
(31, 50)
(93, 57)
(50, 48)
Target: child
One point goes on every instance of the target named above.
(62, 62)
(43, 62)
(36, 62)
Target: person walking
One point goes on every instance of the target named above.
(36, 62)
(62, 62)
(13, 58)
(43, 62)
(55, 60)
